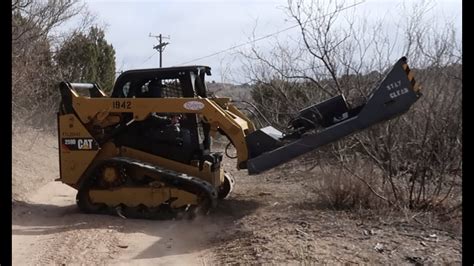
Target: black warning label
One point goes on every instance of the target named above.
(80, 144)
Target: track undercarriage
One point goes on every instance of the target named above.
(136, 189)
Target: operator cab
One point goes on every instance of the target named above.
(181, 137)
(186, 81)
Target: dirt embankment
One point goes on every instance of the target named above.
(270, 218)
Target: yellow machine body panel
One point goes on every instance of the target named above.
(233, 124)
(77, 148)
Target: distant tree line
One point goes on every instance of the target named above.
(45, 51)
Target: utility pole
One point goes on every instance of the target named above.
(160, 47)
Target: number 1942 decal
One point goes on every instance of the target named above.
(122, 105)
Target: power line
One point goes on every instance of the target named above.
(146, 60)
(240, 45)
(268, 35)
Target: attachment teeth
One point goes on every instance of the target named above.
(411, 78)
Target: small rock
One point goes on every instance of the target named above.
(366, 232)
(415, 260)
(304, 224)
(264, 193)
(372, 232)
(379, 247)
(122, 246)
(275, 204)
(423, 244)
(433, 236)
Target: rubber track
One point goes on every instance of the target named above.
(206, 193)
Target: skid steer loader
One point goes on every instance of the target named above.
(145, 150)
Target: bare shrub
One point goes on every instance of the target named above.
(340, 190)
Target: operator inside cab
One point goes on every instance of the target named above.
(161, 133)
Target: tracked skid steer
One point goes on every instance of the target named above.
(145, 150)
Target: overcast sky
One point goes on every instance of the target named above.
(198, 28)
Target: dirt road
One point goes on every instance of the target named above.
(271, 218)
(48, 228)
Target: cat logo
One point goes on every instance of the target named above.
(84, 144)
(79, 144)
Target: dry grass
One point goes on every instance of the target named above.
(338, 189)
(362, 191)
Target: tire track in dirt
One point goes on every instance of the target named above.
(47, 227)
